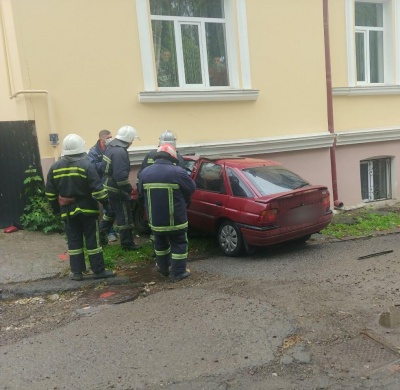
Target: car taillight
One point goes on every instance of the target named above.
(326, 201)
(268, 216)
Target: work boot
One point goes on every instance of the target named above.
(132, 247)
(76, 276)
(104, 274)
(181, 276)
(163, 272)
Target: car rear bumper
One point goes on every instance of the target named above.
(278, 235)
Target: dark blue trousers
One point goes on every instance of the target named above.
(77, 228)
(171, 251)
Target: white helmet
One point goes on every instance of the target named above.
(168, 137)
(73, 144)
(127, 134)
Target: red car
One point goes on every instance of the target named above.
(250, 203)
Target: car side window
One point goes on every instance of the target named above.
(210, 178)
(237, 186)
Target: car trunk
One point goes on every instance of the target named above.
(299, 208)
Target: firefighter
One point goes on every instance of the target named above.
(167, 137)
(95, 156)
(167, 189)
(74, 190)
(116, 171)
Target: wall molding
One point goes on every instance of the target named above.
(246, 147)
(363, 136)
(370, 90)
(198, 96)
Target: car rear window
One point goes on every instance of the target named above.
(273, 180)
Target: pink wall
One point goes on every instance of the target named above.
(348, 167)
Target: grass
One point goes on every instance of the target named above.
(114, 255)
(366, 223)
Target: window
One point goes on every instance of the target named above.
(370, 42)
(273, 180)
(194, 50)
(189, 40)
(210, 178)
(375, 179)
(237, 186)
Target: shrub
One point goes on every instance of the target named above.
(38, 214)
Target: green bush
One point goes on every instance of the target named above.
(38, 215)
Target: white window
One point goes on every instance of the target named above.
(370, 37)
(369, 42)
(194, 50)
(189, 41)
(375, 179)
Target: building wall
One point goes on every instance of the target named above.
(87, 55)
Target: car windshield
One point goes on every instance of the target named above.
(273, 180)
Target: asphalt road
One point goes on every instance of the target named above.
(293, 317)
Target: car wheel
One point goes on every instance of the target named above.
(140, 220)
(230, 239)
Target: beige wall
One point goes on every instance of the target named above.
(87, 55)
(10, 74)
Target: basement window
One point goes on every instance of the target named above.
(376, 179)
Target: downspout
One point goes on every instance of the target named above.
(336, 202)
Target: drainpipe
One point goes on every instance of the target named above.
(336, 202)
(49, 110)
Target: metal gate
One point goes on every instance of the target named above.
(18, 149)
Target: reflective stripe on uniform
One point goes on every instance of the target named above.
(74, 252)
(179, 256)
(170, 187)
(51, 196)
(99, 194)
(71, 171)
(168, 228)
(84, 211)
(163, 253)
(94, 251)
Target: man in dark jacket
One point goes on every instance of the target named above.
(96, 152)
(74, 190)
(95, 156)
(167, 190)
(116, 172)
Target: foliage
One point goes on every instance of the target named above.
(38, 214)
(114, 255)
(365, 224)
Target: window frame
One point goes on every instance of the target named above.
(238, 58)
(391, 10)
(388, 172)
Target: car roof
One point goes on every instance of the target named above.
(233, 160)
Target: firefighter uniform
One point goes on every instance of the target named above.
(167, 189)
(74, 187)
(116, 175)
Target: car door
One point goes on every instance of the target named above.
(210, 198)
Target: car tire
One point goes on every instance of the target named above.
(230, 239)
(140, 219)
